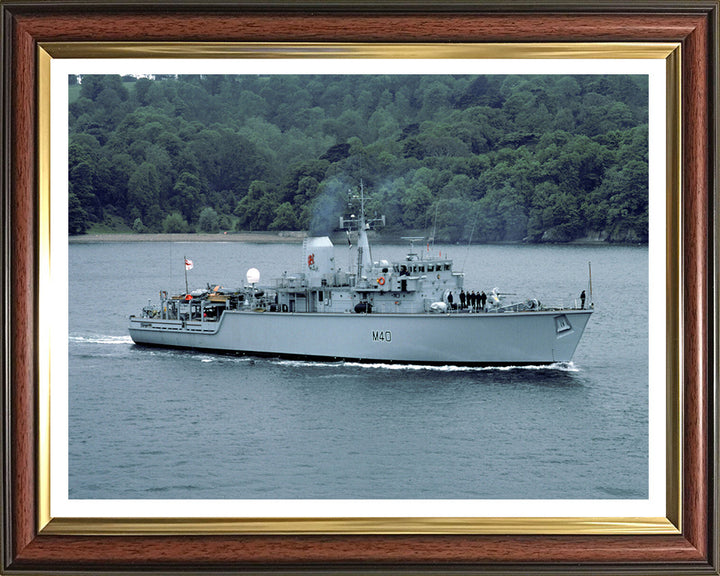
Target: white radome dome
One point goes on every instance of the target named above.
(253, 276)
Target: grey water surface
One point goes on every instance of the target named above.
(165, 424)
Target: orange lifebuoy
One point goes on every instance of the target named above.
(311, 259)
(381, 281)
(188, 297)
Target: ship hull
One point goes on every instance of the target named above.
(485, 339)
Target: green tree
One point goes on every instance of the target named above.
(454, 220)
(224, 222)
(208, 221)
(285, 218)
(186, 195)
(139, 227)
(144, 192)
(174, 223)
(257, 209)
(551, 156)
(78, 221)
(561, 218)
(415, 202)
(82, 185)
(142, 87)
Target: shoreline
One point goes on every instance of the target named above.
(248, 237)
(286, 238)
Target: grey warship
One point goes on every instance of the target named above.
(405, 311)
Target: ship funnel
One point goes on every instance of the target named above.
(319, 259)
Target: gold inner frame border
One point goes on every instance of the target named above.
(670, 524)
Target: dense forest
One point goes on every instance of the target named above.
(547, 158)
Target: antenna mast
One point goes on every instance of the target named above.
(467, 252)
(363, 246)
(434, 230)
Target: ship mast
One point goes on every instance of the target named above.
(364, 256)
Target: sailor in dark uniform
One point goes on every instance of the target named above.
(483, 299)
(582, 300)
(462, 299)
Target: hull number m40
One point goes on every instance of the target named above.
(382, 336)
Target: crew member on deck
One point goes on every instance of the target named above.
(582, 300)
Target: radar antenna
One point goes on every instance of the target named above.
(412, 255)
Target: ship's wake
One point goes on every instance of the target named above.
(555, 367)
(100, 339)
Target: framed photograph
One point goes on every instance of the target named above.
(445, 125)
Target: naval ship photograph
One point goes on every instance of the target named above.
(358, 286)
(407, 305)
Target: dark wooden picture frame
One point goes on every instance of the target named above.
(27, 24)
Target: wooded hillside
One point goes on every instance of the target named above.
(498, 158)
